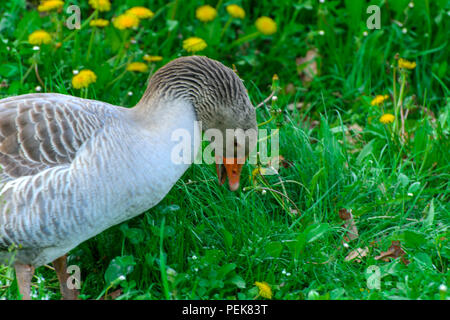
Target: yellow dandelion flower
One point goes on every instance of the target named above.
(405, 64)
(264, 289)
(101, 23)
(256, 171)
(141, 12)
(379, 99)
(100, 5)
(137, 67)
(49, 5)
(83, 79)
(39, 37)
(205, 13)
(194, 44)
(152, 58)
(235, 11)
(387, 118)
(266, 25)
(126, 21)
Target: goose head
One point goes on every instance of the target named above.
(221, 105)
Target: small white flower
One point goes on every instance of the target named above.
(411, 4)
(345, 245)
(263, 192)
(130, 93)
(194, 257)
(410, 194)
(284, 271)
(38, 88)
(8, 48)
(196, 269)
(36, 48)
(322, 1)
(122, 277)
(404, 30)
(443, 288)
(274, 98)
(75, 72)
(365, 33)
(133, 41)
(321, 32)
(288, 274)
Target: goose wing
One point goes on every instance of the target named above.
(40, 131)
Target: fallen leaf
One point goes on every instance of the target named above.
(112, 295)
(357, 253)
(307, 66)
(278, 162)
(394, 251)
(349, 225)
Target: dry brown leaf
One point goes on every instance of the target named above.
(307, 66)
(394, 251)
(357, 253)
(349, 225)
(112, 295)
(279, 161)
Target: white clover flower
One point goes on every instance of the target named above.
(75, 72)
(443, 288)
(194, 257)
(36, 48)
(321, 32)
(38, 88)
(130, 93)
(274, 98)
(365, 33)
(404, 30)
(411, 4)
(122, 278)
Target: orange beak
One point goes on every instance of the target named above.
(230, 168)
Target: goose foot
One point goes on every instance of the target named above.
(24, 274)
(60, 265)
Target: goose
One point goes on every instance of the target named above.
(72, 167)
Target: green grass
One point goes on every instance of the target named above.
(205, 242)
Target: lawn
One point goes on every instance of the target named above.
(359, 207)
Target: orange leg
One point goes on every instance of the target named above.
(24, 274)
(60, 265)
